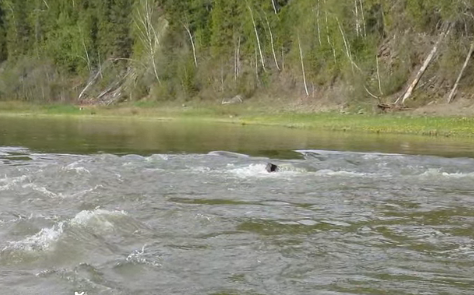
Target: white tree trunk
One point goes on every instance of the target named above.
(318, 8)
(274, 6)
(378, 75)
(256, 63)
(346, 45)
(237, 60)
(89, 64)
(364, 32)
(328, 37)
(302, 66)
(356, 11)
(262, 60)
(272, 44)
(455, 87)
(148, 35)
(282, 58)
(192, 44)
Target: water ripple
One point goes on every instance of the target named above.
(219, 223)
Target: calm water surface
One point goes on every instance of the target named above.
(137, 207)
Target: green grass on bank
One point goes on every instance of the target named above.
(261, 114)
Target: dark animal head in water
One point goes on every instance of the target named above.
(271, 168)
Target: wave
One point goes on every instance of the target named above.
(259, 170)
(13, 150)
(98, 220)
(437, 172)
(252, 170)
(328, 172)
(140, 257)
(157, 157)
(42, 241)
(8, 183)
(43, 190)
(75, 168)
(87, 229)
(316, 153)
(228, 154)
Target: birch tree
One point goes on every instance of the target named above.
(146, 22)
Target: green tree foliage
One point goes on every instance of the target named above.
(3, 43)
(18, 29)
(211, 48)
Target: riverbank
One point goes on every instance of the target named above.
(290, 116)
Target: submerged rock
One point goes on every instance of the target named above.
(271, 168)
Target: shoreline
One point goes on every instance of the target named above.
(255, 114)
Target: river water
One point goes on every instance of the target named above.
(134, 207)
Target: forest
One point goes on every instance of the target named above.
(383, 52)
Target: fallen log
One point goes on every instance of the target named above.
(423, 68)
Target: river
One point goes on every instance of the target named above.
(108, 206)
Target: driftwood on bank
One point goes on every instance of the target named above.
(234, 100)
(455, 87)
(113, 92)
(387, 108)
(89, 84)
(423, 68)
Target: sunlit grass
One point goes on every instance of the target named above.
(254, 113)
(387, 123)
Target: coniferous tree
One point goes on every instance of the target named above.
(204, 46)
(18, 30)
(3, 43)
(120, 22)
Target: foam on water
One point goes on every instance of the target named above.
(201, 169)
(140, 257)
(328, 172)
(437, 172)
(227, 154)
(13, 149)
(42, 241)
(329, 152)
(157, 157)
(10, 182)
(332, 215)
(96, 221)
(42, 190)
(13, 180)
(256, 170)
(78, 169)
(308, 222)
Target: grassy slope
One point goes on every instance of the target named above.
(255, 113)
